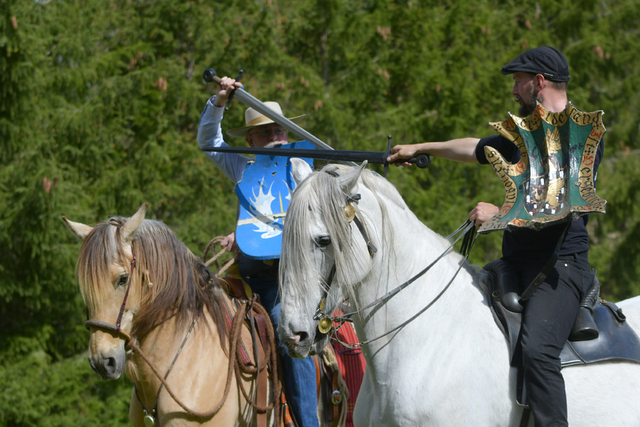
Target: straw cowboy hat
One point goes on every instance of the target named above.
(254, 119)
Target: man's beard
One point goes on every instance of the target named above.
(528, 107)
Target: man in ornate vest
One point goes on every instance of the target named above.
(258, 267)
(540, 77)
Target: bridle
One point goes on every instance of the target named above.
(325, 320)
(111, 328)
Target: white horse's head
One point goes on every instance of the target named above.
(324, 253)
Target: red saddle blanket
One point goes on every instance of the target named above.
(351, 363)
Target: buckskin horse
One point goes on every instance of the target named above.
(434, 354)
(156, 312)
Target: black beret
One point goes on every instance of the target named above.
(545, 60)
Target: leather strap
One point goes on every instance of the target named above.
(335, 414)
(325, 393)
(316, 362)
(287, 418)
(254, 339)
(262, 329)
(263, 395)
(126, 294)
(259, 351)
(263, 379)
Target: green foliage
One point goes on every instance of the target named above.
(39, 393)
(99, 109)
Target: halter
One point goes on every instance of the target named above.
(108, 327)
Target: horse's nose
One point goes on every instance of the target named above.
(107, 367)
(294, 341)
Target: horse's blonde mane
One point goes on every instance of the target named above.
(99, 250)
(182, 284)
(322, 194)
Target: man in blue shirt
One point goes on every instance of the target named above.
(261, 276)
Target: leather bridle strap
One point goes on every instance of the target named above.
(358, 223)
(108, 327)
(324, 320)
(154, 412)
(126, 294)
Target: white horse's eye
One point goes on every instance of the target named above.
(323, 241)
(122, 280)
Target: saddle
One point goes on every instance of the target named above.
(332, 390)
(600, 332)
(254, 348)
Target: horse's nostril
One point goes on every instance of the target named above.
(302, 336)
(110, 365)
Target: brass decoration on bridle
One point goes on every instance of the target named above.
(325, 325)
(350, 212)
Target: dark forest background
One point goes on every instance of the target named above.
(99, 109)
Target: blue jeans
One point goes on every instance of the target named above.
(299, 374)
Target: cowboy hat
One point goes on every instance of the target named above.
(254, 119)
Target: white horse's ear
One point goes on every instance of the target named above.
(80, 230)
(130, 227)
(349, 180)
(300, 170)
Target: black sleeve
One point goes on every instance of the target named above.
(505, 147)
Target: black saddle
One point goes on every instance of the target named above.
(601, 332)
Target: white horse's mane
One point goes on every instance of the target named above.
(322, 193)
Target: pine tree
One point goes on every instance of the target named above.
(99, 109)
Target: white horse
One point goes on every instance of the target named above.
(449, 366)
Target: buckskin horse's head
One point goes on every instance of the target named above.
(106, 274)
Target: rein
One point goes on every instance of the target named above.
(236, 330)
(151, 415)
(465, 230)
(325, 322)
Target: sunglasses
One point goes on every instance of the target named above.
(266, 133)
